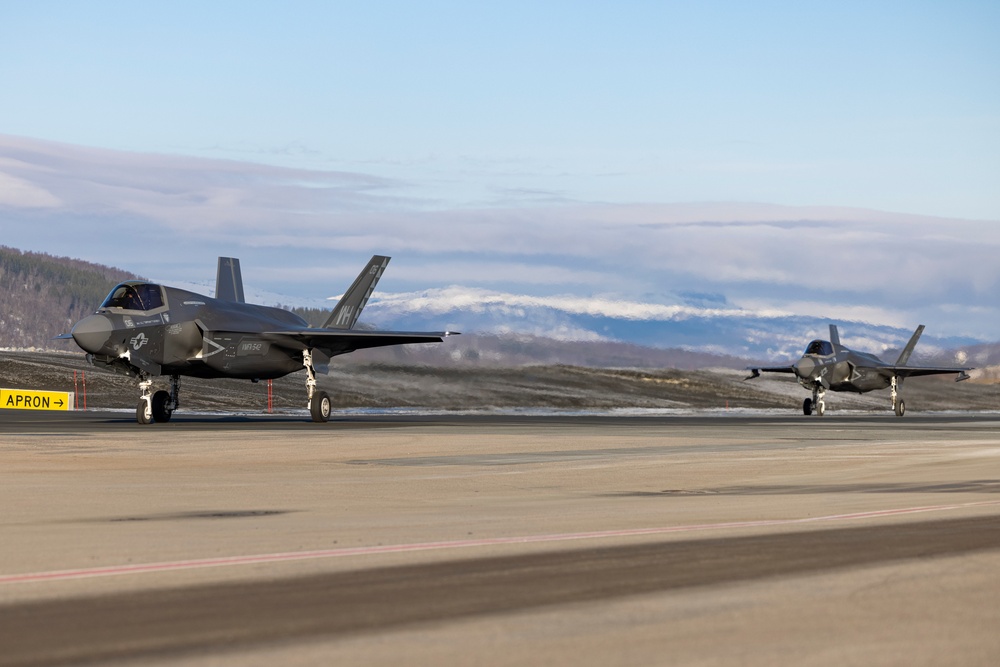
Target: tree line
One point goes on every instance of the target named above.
(42, 295)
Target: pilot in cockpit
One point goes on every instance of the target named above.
(134, 297)
(820, 347)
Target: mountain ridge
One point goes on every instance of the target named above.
(42, 295)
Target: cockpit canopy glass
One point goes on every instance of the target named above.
(820, 347)
(133, 296)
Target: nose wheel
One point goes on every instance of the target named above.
(815, 403)
(157, 407)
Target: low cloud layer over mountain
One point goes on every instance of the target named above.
(741, 278)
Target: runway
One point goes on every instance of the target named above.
(493, 539)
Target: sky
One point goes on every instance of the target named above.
(807, 157)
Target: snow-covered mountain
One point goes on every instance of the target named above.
(700, 323)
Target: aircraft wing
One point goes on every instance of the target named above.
(341, 341)
(915, 371)
(756, 370)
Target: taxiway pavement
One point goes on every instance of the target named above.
(500, 540)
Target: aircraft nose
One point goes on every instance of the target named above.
(804, 367)
(91, 333)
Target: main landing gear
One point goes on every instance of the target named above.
(816, 402)
(319, 401)
(898, 406)
(158, 407)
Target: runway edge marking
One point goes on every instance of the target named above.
(148, 568)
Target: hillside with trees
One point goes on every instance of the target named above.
(42, 296)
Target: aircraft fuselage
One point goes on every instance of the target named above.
(184, 333)
(845, 370)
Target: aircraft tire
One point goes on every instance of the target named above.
(820, 408)
(807, 407)
(160, 411)
(320, 407)
(900, 408)
(143, 414)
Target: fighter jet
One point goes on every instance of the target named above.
(145, 330)
(829, 365)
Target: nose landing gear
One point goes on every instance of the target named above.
(158, 407)
(816, 402)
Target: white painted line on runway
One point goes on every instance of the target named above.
(147, 568)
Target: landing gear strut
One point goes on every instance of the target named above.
(144, 411)
(816, 402)
(898, 406)
(158, 407)
(319, 401)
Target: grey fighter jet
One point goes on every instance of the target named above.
(145, 330)
(829, 365)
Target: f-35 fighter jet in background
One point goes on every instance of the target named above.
(145, 330)
(829, 365)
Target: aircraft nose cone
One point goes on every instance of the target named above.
(91, 333)
(804, 367)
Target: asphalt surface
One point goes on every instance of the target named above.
(491, 539)
(70, 422)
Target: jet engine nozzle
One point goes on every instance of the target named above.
(92, 333)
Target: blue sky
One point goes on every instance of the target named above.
(886, 105)
(527, 147)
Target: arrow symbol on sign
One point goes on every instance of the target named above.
(60, 403)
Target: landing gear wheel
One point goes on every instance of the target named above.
(320, 406)
(820, 408)
(144, 412)
(161, 413)
(900, 408)
(807, 407)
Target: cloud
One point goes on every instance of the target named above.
(457, 298)
(308, 231)
(19, 193)
(187, 195)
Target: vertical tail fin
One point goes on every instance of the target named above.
(904, 356)
(345, 314)
(834, 337)
(229, 280)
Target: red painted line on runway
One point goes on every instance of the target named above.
(146, 568)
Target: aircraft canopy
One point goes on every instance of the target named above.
(820, 347)
(135, 296)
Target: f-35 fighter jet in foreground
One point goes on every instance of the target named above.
(829, 365)
(144, 330)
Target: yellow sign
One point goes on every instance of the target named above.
(29, 399)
